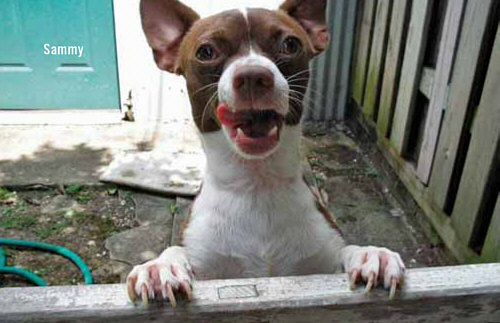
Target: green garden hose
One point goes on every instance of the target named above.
(45, 247)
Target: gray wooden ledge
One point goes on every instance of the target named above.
(468, 293)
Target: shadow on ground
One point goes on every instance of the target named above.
(49, 165)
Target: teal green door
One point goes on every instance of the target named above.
(58, 54)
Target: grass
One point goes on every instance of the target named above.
(371, 172)
(105, 227)
(7, 197)
(83, 197)
(112, 189)
(173, 208)
(73, 189)
(78, 193)
(12, 220)
(12, 212)
(52, 229)
(16, 214)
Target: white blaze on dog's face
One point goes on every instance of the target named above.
(246, 70)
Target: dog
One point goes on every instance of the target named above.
(247, 72)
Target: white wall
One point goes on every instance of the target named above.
(210, 7)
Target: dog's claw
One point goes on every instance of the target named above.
(161, 278)
(370, 283)
(353, 279)
(144, 295)
(374, 265)
(171, 296)
(187, 289)
(131, 291)
(394, 285)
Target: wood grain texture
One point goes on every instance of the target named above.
(347, 47)
(482, 155)
(460, 293)
(466, 64)
(410, 73)
(491, 248)
(376, 64)
(336, 12)
(363, 51)
(318, 94)
(393, 59)
(439, 97)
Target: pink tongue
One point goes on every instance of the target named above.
(227, 117)
(234, 120)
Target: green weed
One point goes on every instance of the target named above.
(73, 189)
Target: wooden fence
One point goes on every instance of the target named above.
(328, 90)
(457, 294)
(426, 77)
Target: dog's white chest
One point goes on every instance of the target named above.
(267, 233)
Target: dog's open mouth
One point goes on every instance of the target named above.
(255, 132)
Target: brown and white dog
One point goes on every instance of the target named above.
(246, 73)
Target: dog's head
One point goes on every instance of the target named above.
(246, 70)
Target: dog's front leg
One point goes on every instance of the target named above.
(162, 277)
(371, 265)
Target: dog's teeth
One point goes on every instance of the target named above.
(273, 131)
(239, 132)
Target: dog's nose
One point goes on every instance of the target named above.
(252, 80)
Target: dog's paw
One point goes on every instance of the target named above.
(373, 265)
(161, 278)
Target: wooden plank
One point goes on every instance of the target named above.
(319, 85)
(439, 96)
(375, 66)
(410, 73)
(336, 12)
(310, 97)
(427, 81)
(363, 51)
(347, 46)
(491, 248)
(318, 92)
(466, 64)
(482, 154)
(357, 45)
(393, 59)
(459, 294)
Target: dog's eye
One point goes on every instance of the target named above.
(205, 53)
(291, 45)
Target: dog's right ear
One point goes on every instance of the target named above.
(310, 14)
(165, 23)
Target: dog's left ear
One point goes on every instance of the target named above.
(165, 23)
(311, 16)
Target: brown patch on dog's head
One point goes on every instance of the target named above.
(226, 33)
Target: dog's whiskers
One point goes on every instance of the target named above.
(205, 109)
(206, 87)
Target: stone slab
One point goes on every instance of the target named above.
(138, 245)
(164, 171)
(151, 209)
